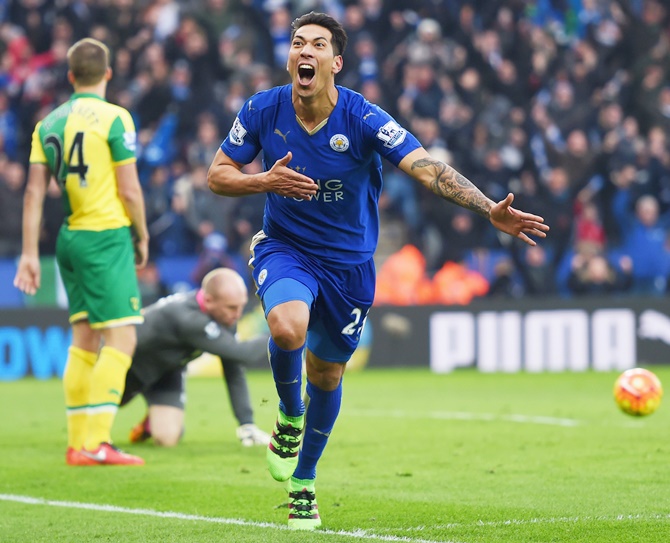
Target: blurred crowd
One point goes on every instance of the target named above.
(566, 103)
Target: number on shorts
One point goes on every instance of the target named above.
(351, 328)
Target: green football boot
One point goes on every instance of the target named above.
(303, 512)
(282, 452)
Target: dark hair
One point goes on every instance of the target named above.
(326, 21)
(88, 60)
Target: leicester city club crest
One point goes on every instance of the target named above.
(262, 276)
(339, 143)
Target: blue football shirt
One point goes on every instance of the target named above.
(340, 224)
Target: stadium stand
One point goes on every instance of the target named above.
(567, 104)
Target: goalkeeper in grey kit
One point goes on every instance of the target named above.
(176, 330)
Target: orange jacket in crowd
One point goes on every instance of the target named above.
(402, 280)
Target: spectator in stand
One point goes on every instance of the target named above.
(566, 113)
(184, 102)
(528, 189)
(279, 22)
(52, 218)
(427, 130)
(658, 166)
(494, 174)
(244, 219)
(157, 145)
(218, 15)
(588, 224)
(646, 242)
(510, 84)
(205, 212)
(12, 181)
(152, 287)
(622, 144)
(206, 142)
(157, 197)
(661, 113)
(504, 283)
(559, 197)
(214, 254)
(422, 95)
(536, 269)
(354, 23)
(648, 90)
(460, 232)
(621, 188)
(166, 210)
(471, 90)
(402, 279)
(456, 116)
(398, 27)
(366, 67)
(576, 159)
(593, 275)
(180, 240)
(123, 72)
(515, 152)
(608, 119)
(399, 200)
(198, 53)
(9, 128)
(600, 67)
(156, 96)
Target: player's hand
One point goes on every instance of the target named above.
(287, 182)
(141, 253)
(517, 223)
(28, 274)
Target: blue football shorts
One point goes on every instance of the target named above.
(339, 299)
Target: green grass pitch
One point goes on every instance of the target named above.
(415, 457)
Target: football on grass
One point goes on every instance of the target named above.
(638, 392)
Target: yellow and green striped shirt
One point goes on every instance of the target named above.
(82, 142)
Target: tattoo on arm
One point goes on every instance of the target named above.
(447, 183)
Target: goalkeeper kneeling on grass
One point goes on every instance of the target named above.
(176, 330)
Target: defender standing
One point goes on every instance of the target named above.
(88, 146)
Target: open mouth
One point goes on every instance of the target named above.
(306, 74)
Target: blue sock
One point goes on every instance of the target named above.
(287, 372)
(324, 406)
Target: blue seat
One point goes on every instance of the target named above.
(177, 270)
(10, 296)
(484, 261)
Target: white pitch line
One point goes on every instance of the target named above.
(549, 520)
(357, 534)
(459, 415)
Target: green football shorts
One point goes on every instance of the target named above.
(98, 272)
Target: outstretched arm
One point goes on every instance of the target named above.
(450, 185)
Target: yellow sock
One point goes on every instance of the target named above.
(107, 384)
(77, 387)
